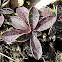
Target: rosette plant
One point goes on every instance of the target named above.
(27, 22)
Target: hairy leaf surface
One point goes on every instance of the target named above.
(18, 23)
(23, 13)
(33, 17)
(1, 19)
(11, 36)
(46, 12)
(46, 23)
(36, 48)
(6, 11)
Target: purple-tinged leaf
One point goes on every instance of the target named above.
(1, 19)
(18, 23)
(24, 37)
(23, 13)
(45, 23)
(36, 47)
(11, 36)
(6, 11)
(46, 12)
(37, 33)
(33, 17)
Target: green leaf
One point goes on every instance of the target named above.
(1, 32)
(53, 11)
(15, 14)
